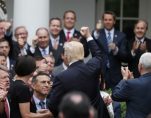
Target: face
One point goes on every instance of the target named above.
(4, 79)
(4, 48)
(50, 63)
(55, 27)
(22, 33)
(43, 85)
(140, 30)
(3, 60)
(108, 21)
(69, 20)
(2, 30)
(43, 38)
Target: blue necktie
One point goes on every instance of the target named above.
(42, 104)
(44, 52)
(109, 38)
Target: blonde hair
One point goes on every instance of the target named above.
(74, 51)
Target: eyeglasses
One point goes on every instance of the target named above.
(21, 34)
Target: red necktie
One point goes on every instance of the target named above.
(68, 36)
(7, 110)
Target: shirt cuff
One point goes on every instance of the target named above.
(89, 39)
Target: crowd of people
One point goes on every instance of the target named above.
(50, 79)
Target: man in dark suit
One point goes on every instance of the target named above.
(112, 44)
(10, 62)
(69, 31)
(56, 40)
(41, 84)
(138, 45)
(136, 92)
(42, 44)
(4, 86)
(21, 47)
(79, 76)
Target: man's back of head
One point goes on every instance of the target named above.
(75, 105)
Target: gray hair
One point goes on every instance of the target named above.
(145, 60)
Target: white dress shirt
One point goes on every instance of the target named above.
(36, 100)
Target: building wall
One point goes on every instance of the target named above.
(85, 10)
(145, 14)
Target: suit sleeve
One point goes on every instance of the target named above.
(123, 49)
(121, 92)
(56, 94)
(94, 63)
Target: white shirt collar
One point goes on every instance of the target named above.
(36, 100)
(64, 66)
(71, 32)
(111, 31)
(54, 39)
(140, 40)
(46, 49)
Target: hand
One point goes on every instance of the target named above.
(34, 41)
(143, 46)
(46, 112)
(3, 94)
(126, 73)
(21, 42)
(107, 100)
(99, 25)
(7, 25)
(135, 46)
(112, 46)
(85, 32)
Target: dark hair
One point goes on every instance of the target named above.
(73, 109)
(69, 11)
(56, 18)
(34, 79)
(110, 13)
(25, 65)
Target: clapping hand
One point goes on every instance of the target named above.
(126, 73)
(143, 46)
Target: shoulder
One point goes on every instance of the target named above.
(19, 85)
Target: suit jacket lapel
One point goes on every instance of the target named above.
(115, 37)
(103, 41)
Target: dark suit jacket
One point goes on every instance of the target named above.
(136, 94)
(77, 35)
(57, 53)
(134, 60)
(16, 50)
(80, 77)
(112, 75)
(37, 52)
(12, 65)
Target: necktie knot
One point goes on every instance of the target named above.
(42, 104)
